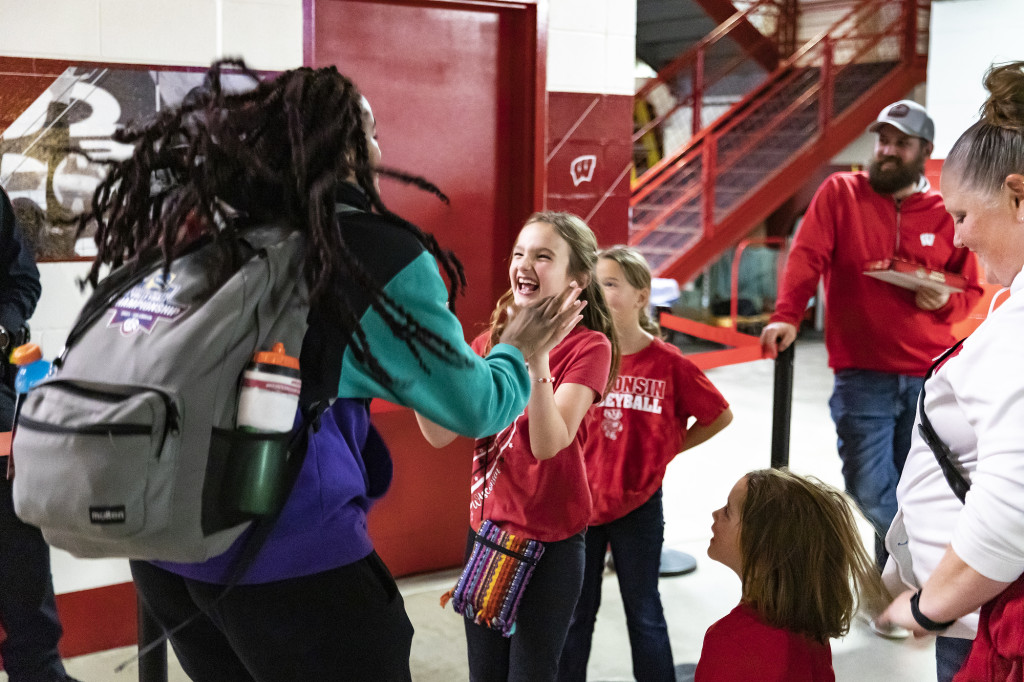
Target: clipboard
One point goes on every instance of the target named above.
(910, 275)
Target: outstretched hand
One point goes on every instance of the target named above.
(539, 328)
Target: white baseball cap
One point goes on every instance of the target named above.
(909, 117)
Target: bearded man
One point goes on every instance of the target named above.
(880, 338)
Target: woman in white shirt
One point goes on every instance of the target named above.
(958, 556)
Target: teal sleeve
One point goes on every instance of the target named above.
(464, 393)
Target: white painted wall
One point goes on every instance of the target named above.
(967, 36)
(268, 33)
(591, 46)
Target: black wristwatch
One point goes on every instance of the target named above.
(923, 620)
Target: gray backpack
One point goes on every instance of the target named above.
(129, 449)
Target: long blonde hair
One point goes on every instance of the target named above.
(805, 567)
(582, 262)
(638, 274)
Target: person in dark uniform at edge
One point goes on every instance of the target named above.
(28, 609)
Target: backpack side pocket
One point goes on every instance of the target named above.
(246, 476)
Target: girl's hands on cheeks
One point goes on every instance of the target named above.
(539, 328)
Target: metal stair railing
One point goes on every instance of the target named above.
(886, 32)
(695, 59)
(822, 93)
(783, 76)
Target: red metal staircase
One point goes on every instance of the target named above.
(733, 173)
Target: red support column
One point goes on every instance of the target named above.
(908, 49)
(789, 14)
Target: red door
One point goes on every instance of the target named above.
(457, 89)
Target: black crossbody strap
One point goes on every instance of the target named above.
(943, 455)
(505, 550)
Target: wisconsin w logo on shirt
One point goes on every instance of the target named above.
(927, 239)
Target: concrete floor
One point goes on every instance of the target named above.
(697, 483)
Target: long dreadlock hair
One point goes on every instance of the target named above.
(226, 160)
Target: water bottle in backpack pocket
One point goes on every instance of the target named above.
(256, 450)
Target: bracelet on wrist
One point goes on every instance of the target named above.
(923, 620)
(545, 380)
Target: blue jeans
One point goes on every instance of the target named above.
(636, 540)
(531, 653)
(28, 609)
(950, 655)
(874, 415)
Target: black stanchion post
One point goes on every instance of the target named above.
(153, 663)
(783, 407)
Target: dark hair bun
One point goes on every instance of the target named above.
(1005, 105)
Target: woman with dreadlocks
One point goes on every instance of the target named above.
(316, 603)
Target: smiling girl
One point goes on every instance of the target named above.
(529, 479)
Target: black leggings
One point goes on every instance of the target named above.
(531, 654)
(348, 623)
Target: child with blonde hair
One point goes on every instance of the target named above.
(661, 404)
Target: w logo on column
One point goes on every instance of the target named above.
(582, 169)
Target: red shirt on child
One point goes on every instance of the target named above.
(641, 425)
(541, 500)
(741, 647)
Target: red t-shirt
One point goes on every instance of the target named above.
(547, 501)
(740, 648)
(640, 425)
